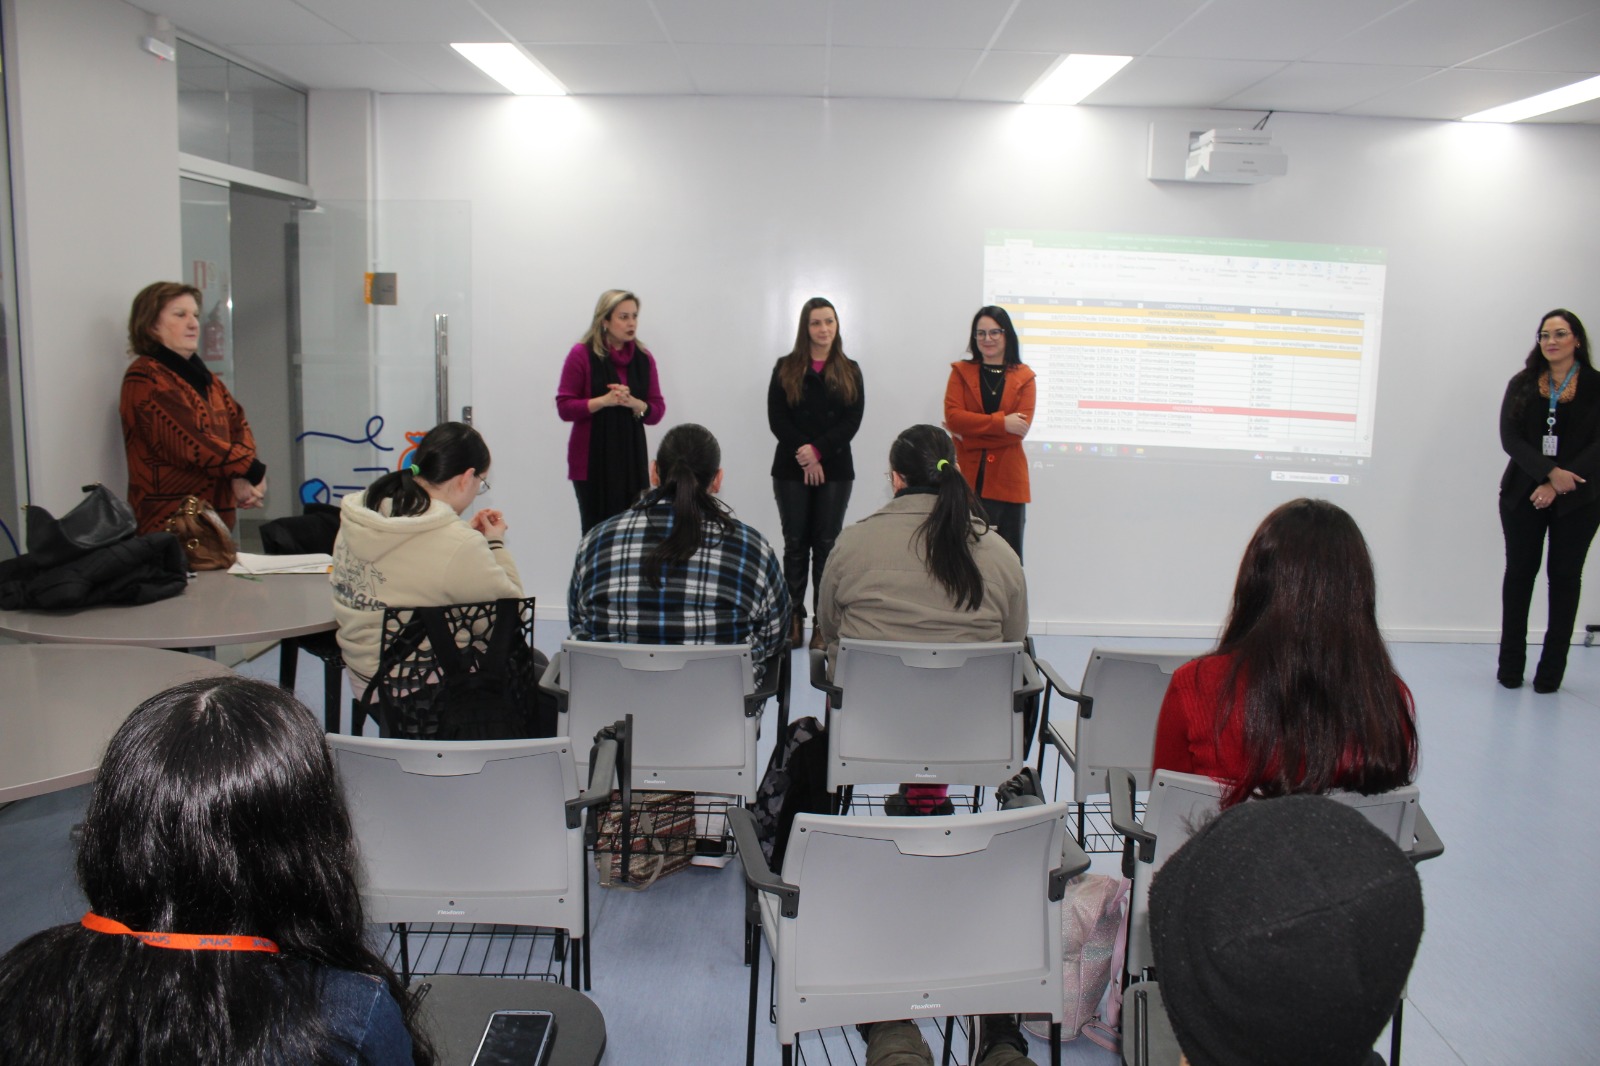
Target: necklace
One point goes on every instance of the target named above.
(995, 374)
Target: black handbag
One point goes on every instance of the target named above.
(101, 519)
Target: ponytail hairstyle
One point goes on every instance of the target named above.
(925, 457)
(449, 450)
(686, 464)
(840, 373)
(1002, 318)
(1320, 703)
(595, 337)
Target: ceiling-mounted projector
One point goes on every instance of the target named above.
(1234, 157)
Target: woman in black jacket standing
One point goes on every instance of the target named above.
(1550, 426)
(814, 406)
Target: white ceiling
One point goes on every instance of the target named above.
(1429, 59)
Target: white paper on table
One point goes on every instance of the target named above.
(314, 563)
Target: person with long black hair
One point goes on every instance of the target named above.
(677, 567)
(814, 408)
(926, 567)
(1300, 694)
(402, 543)
(609, 391)
(225, 924)
(988, 408)
(1550, 427)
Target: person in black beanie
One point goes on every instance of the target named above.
(1283, 932)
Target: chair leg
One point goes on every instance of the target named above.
(1055, 1044)
(1394, 1033)
(332, 689)
(405, 956)
(1080, 825)
(949, 1034)
(288, 662)
(755, 995)
(588, 941)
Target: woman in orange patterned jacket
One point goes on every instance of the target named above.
(184, 433)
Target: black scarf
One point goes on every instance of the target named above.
(619, 460)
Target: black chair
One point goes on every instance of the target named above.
(468, 671)
(313, 531)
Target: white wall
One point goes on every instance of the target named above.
(725, 214)
(94, 140)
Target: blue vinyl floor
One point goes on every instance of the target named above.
(1507, 972)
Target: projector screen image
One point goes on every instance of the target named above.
(1196, 349)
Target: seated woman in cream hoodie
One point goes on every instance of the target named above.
(402, 543)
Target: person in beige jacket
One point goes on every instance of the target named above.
(402, 543)
(925, 566)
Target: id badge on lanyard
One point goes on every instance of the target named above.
(1549, 442)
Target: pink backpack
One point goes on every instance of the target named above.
(1094, 941)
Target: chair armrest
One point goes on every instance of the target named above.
(757, 874)
(1032, 677)
(1085, 703)
(819, 678)
(551, 681)
(773, 672)
(1073, 863)
(1122, 787)
(1428, 845)
(602, 771)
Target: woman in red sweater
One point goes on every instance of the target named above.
(1300, 695)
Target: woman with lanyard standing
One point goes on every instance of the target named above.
(814, 407)
(988, 407)
(1550, 427)
(609, 392)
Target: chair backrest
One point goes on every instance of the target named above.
(1181, 803)
(691, 732)
(1120, 729)
(943, 713)
(465, 831)
(904, 917)
(481, 684)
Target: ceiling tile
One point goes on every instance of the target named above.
(1461, 91)
(602, 69)
(963, 24)
(1161, 81)
(407, 21)
(1324, 87)
(783, 22)
(755, 70)
(234, 22)
(576, 21)
(1268, 29)
(1442, 33)
(1102, 27)
(906, 73)
(1005, 76)
(336, 66)
(1572, 47)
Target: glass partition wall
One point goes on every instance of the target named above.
(13, 450)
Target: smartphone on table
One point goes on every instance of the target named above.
(516, 1038)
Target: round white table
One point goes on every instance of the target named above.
(217, 608)
(62, 703)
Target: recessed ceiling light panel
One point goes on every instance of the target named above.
(1554, 100)
(512, 67)
(1074, 77)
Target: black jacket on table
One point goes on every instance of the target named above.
(1577, 441)
(821, 419)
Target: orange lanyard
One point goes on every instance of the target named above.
(181, 941)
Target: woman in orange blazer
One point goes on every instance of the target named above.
(988, 407)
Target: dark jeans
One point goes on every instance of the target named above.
(1525, 529)
(812, 516)
(1007, 520)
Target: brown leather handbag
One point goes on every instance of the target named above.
(205, 539)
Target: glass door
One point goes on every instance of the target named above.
(375, 376)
